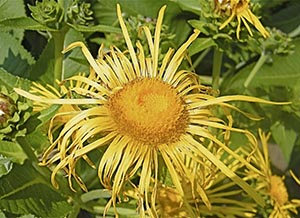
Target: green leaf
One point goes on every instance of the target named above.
(189, 5)
(25, 23)
(200, 44)
(39, 119)
(11, 9)
(5, 165)
(23, 191)
(43, 69)
(10, 81)
(13, 151)
(285, 137)
(14, 58)
(283, 71)
(95, 194)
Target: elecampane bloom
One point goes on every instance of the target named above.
(241, 10)
(140, 111)
(270, 185)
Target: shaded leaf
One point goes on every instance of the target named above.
(285, 137)
(43, 69)
(14, 58)
(23, 191)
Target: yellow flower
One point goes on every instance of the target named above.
(240, 9)
(271, 185)
(142, 114)
(226, 199)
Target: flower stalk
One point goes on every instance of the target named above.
(216, 71)
(262, 59)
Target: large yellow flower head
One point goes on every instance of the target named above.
(141, 113)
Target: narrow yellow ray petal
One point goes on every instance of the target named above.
(178, 56)
(229, 173)
(149, 39)
(56, 101)
(173, 173)
(156, 40)
(128, 41)
(228, 98)
(90, 82)
(88, 56)
(98, 143)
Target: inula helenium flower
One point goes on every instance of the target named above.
(241, 10)
(145, 116)
(270, 185)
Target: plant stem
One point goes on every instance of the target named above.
(262, 59)
(58, 38)
(216, 71)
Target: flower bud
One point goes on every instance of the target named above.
(7, 109)
(47, 12)
(80, 14)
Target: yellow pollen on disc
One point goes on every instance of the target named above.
(278, 190)
(149, 110)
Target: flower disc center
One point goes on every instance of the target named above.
(149, 110)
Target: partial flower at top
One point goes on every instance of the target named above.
(144, 116)
(270, 185)
(241, 10)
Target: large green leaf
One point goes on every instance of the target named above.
(11, 81)
(283, 71)
(23, 191)
(14, 58)
(10, 9)
(13, 151)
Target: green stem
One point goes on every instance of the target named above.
(59, 38)
(216, 71)
(255, 69)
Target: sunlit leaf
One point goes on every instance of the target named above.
(11, 81)
(5, 165)
(13, 151)
(25, 23)
(9, 10)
